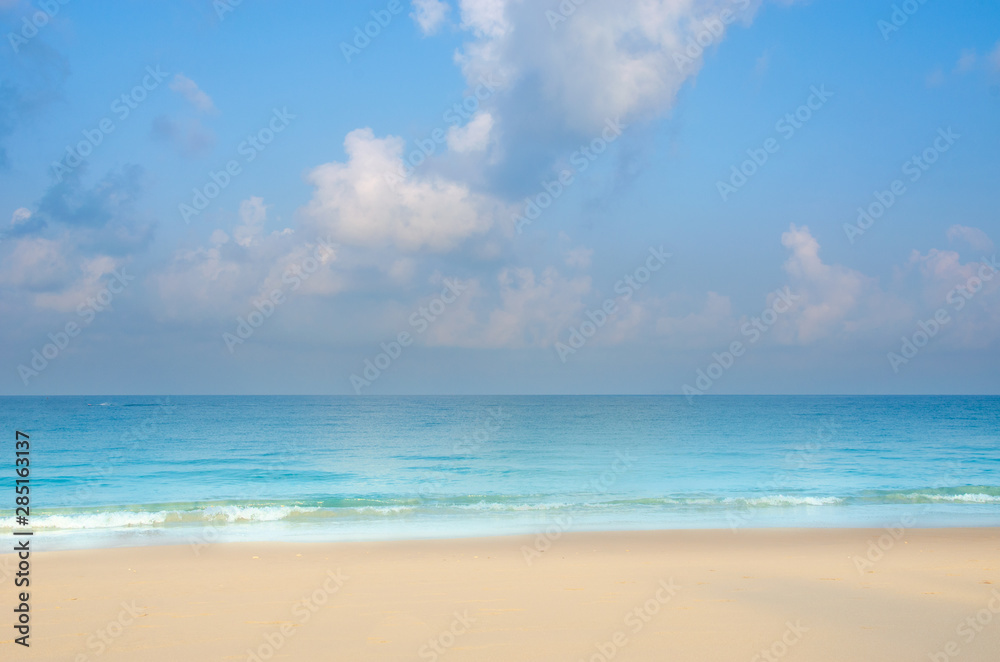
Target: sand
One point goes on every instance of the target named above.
(663, 595)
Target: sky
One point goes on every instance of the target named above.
(688, 197)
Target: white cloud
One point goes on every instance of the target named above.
(429, 14)
(474, 136)
(35, 263)
(21, 215)
(355, 203)
(830, 294)
(607, 59)
(253, 213)
(54, 275)
(91, 280)
(485, 17)
(190, 91)
(974, 237)
(528, 310)
(579, 257)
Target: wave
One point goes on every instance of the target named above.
(332, 509)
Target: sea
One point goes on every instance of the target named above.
(108, 471)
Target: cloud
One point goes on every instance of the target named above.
(429, 14)
(220, 280)
(833, 297)
(61, 252)
(967, 61)
(578, 257)
(473, 137)
(526, 310)
(563, 70)
(253, 213)
(190, 138)
(100, 219)
(974, 237)
(959, 288)
(355, 203)
(637, 53)
(195, 96)
(53, 274)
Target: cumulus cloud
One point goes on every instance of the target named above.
(974, 237)
(521, 309)
(578, 257)
(606, 59)
(474, 136)
(221, 279)
(253, 213)
(358, 203)
(189, 89)
(968, 291)
(429, 14)
(62, 251)
(103, 218)
(831, 294)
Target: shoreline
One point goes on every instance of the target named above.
(692, 594)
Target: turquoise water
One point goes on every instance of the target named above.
(110, 471)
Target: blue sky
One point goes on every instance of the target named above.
(317, 252)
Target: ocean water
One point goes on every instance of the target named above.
(114, 470)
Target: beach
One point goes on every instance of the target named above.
(752, 594)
